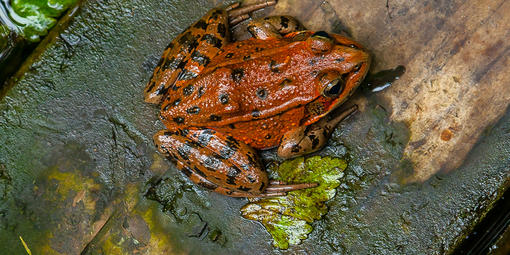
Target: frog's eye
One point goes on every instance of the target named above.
(334, 88)
(332, 84)
(320, 42)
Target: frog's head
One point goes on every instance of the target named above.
(342, 66)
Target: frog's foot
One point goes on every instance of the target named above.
(274, 27)
(308, 139)
(237, 14)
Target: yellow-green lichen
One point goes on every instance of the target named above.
(72, 182)
(288, 218)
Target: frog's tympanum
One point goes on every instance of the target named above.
(221, 100)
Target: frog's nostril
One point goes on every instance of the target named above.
(354, 46)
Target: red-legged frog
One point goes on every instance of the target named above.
(221, 100)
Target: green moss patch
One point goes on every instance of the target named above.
(288, 218)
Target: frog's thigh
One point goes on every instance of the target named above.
(215, 161)
(274, 27)
(188, 54)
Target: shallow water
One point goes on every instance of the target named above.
(11, 43)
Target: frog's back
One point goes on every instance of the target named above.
(249, 87)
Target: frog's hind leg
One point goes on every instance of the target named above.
(214, 160)
(311, 138)
(274, 27)
(188, 54)
(220, 163)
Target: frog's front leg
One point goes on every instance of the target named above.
(274, 27)
(311, 138)
(219, 163)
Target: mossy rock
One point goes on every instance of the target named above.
(77, 163)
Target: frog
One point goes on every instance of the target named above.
(222, 100)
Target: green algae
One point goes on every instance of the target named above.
(36, 17)
(288, 218)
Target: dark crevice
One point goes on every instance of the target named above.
(488, 230)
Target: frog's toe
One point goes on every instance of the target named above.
(289, 187)
(232, 6)
(238, 14)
